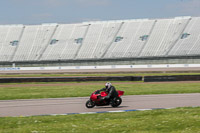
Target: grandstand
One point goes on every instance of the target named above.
(120, 42)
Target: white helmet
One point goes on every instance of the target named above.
(108, 85)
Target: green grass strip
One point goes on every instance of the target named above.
(179, 120)
(82, 90)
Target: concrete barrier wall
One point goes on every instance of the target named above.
(70, 79)
(113, 78)
(101, 67)
(172, 78)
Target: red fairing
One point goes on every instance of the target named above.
(103, 94)
(94, 96)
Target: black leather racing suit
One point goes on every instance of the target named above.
(112, 93)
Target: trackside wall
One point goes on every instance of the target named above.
(100, 62)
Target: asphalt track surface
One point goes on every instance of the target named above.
(36, 107)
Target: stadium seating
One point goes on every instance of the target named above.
(131, 44)
(99, 36)
(139, 38)
(61, 36)
(9, 37)
(164, 34)
(188, 45)
(127, 32)
(33, 41)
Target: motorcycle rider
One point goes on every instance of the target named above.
(112, 93)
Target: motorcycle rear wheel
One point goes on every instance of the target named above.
(116, 102)
(89, 104)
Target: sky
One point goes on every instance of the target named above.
(75, 11)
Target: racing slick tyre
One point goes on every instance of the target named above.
(116, 102)
(89, 104)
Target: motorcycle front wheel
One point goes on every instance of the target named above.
(89, 104)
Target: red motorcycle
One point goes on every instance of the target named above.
(95, 99)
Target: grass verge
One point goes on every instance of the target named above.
(178, 120)
(82, 90)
